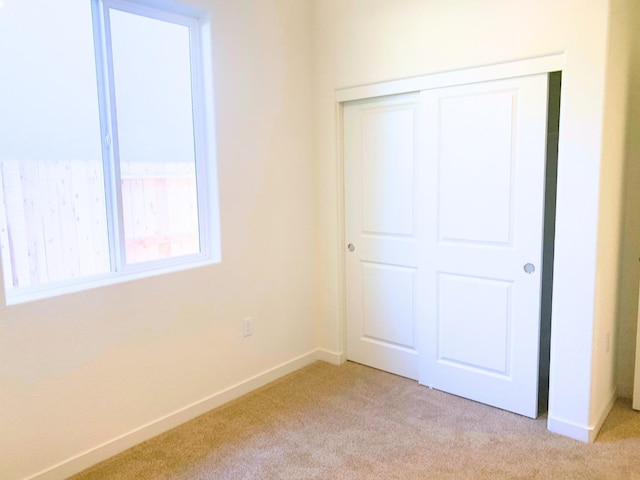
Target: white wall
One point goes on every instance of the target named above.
(580, 149)
(610, 305)
(630, 260)
(82, 369)
(367, 41)
(610, 221)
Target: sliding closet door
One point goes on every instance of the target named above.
(444, 199)
(483, 151)
(381, 210)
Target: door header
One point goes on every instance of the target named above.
(519, 68)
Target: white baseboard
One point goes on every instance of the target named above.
(604, 413)
(582, 432)
(116, 445)
(568, 429)
(335, 358)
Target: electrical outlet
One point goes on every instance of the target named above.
(247, 326)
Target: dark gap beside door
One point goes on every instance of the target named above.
(553, 127)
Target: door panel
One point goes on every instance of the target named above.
(485, 298)
(483, 150)
(382, 272)
(387, 170)
(475, 167)
(388, 292)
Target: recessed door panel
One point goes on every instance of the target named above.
(387, 170)
(474, 333)
(388, 304)
(475, 162)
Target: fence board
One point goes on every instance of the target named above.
(80, 210)
(33, 203)
(98, 216)
(16, 226)
(51, 220)
(5, 251)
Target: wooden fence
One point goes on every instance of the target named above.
(160, 210)
(53, 217)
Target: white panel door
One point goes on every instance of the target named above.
(483, 150)
(382, 275)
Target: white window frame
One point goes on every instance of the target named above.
(204, 148)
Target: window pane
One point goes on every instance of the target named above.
(52, 207)
(152, 82)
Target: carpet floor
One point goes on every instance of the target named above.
(353, 422)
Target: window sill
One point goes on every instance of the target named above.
(140, 271)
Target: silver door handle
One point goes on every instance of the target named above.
(529, 268)
(351, 247)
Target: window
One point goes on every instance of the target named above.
(106, 143)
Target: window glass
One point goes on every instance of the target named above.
(52, 201)
(153, 98)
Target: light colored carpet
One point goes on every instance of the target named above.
(354, 422)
